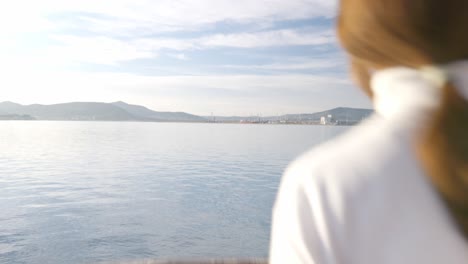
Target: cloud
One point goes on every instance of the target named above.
(105, 50)
(123, 17)
(98, 50)
(312, 64)
(108, 32)
(179, 56)
(270, 38)
(111, 51)
(40, 39)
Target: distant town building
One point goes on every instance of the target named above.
(323, 120)
(326, 120)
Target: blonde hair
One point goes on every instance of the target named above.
(383, 33)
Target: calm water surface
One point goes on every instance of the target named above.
(85, 192)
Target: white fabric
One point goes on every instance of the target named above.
(363, 197)
(435, 74)
(398, 91)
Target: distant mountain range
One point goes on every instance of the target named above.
(121, 111)
(118, 111)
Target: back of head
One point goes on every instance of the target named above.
(384, 33)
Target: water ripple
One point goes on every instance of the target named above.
(84, 192)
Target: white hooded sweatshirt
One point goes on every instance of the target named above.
(364, 198)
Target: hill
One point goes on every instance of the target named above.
(70, 111)
(84, 111)
(144, 112)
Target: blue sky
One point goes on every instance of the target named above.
(205, 56)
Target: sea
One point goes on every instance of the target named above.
(92, 192)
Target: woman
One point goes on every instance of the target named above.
(395, 188)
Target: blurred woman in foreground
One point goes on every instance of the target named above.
(395, 188)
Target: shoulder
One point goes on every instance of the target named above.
(355, 192)
(354, 175)
(322, 191)
(329, 193)
(354, 157)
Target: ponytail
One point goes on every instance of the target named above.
(444, 153)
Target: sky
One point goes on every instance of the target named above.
(221, 57)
